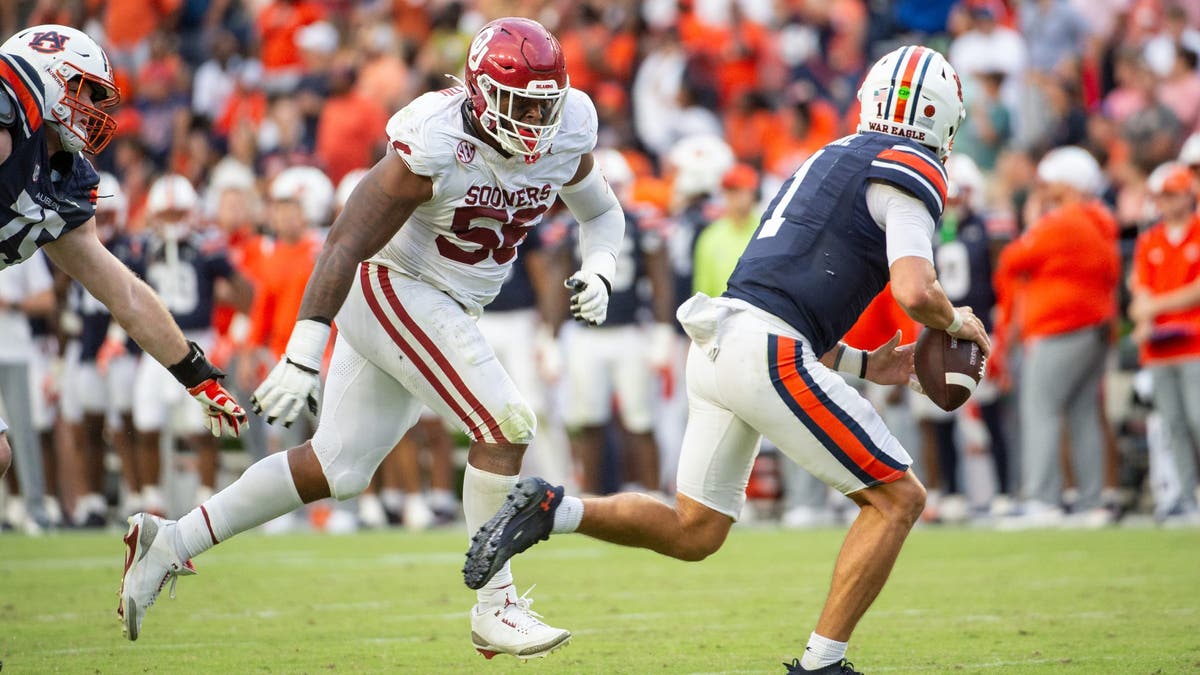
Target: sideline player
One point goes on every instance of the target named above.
(859, 211)
(55, 83)
(470, 172)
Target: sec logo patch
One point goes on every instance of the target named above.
(465, 152)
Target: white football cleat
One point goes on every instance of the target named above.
(150, 562)
(508, 626)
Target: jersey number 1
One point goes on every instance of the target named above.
(500, 245)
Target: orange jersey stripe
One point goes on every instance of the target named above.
(824, 417)
(919, 164)
(27, 98)
(906, 83)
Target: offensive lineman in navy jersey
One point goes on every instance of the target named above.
(55, 82)
(859, 212)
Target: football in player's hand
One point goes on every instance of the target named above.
(947, 368)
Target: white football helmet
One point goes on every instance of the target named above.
(1190, 152)
(913, 92)
(171, 193)
(966, 181)
(310, 187)
(616, 170)
(110, 198)
(67, 61)
(1073, 166)
(699, 163)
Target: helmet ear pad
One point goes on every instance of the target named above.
(915, 93)
(516, 81)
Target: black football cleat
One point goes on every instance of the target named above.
(842, 667)
(525, 519)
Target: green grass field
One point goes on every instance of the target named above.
(1116, 601)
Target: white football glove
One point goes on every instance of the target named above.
(287, 390)
(589, 302)
(295, 382)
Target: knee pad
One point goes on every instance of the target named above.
(347, 483)
(519, 423)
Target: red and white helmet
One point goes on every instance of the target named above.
(515, 65)
(913, 92)
(67, 60)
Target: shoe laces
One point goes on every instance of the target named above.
(523, 609)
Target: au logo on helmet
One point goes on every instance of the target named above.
(48, 42)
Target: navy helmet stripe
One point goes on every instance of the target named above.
(916, 97)
(887, 109)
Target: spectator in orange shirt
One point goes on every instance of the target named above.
(1064, 270)
(128, 24)
(351, 128)
(277, 26)
(1166, 309)
(301, 198)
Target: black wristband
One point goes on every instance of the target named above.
(194, 368)
(841, 350)
(862, 373)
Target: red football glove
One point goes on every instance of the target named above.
(223, 412)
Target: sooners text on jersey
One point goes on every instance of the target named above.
(484, 204)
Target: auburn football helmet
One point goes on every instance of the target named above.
(915, 93)
(516, 78)
(69, 63)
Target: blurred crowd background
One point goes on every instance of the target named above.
(245, 124)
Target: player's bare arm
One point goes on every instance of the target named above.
(376, 210)
(916, 288)
(80, 254)
(139, 311)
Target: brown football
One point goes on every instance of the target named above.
(947, 368)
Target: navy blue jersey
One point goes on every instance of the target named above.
(963, 258)
(94, 316)
(39, 201)
(629, 293)
(517, 291)
(818, 258)
(184, 275)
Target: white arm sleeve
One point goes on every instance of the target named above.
(904, 218)
(601, 222)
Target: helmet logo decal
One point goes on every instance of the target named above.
(49, 42)
(903, 93)
(479, 47)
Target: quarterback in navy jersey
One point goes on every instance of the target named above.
(55, 83)
(860, 212)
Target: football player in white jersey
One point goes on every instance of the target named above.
(55, 84)
(423, 244)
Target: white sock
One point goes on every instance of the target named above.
(483, 495)
(821, 651)
(393, 499)
(264, 492)
(568, 515)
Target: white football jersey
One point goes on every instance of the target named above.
(464, 238)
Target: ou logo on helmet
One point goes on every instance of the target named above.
(479, 47)
(49, 42)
